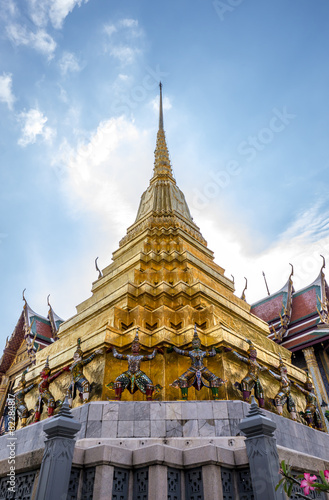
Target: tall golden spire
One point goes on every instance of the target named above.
(161, 109)
(162, 165)
(163, 204)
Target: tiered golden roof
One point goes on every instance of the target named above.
(163, 279)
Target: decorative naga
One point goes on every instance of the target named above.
(284, 396)
(311, 413)
(79, 381)
(21, 409)
(197, 375)
(134, 378)
(251, 380)
(45, 396)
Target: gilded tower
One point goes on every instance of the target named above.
(164, 281)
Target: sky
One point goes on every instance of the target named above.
(246, 114)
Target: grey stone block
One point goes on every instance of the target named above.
(94, 429)
(174, 428)
(142, 428)
(95, 411)
(82, 432)
(190, 428)
(142, 411)
(125, 428)
(204, 410)
(189, 410)
(222, 427)
(220, 409)
(84, 410)
(235, 410)
(109, 428)
(234, 429)
(200, 455)
(207, 428)
(126, 410)
(157, 411)
(158, 428)
(174, 411)
(111, 411)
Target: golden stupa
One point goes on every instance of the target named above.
(163, 279)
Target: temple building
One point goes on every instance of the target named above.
(163, 280)
(32, 333)
(299, 321)
(158, 367)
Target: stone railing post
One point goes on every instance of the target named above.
(262, 454)
(58, 455)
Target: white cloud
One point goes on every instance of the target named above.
(166, 104)
(55, 11)
(94, 174)
(34, 125)
(298, 245)
(129, 23)
(124, 54)
(60, 9)
(40, 40)
(122, 40)
(69, 63)
(110, 29)
(6, 94)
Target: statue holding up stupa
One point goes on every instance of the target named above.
(251, 381)
(197, 375)
(311, 413)
(134, 378)
(45, 396)
(79, 381)
(284, 396)
(22, 411)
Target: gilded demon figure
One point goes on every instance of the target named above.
(79, 381)
(311, 413)
(45, 396)
(197, 375)
(284, 396)
(21, 409)
(134, 378)
(251, 380)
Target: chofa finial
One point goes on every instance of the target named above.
(292, 271)
(100, 274)
(243, 296)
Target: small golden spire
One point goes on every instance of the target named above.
(162, 166)
(161, 109)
